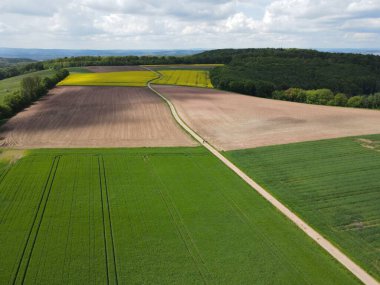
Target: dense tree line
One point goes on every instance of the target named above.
(281, 73)
(31, 89)
(18, 69)
(116, 60)
(327, 97)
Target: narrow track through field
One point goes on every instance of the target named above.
(360, 273)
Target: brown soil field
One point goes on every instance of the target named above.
(182, 66)
(95, 117)
(232, 121)
(114, 68)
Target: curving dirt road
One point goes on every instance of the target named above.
(360, 273)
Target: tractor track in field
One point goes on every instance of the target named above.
(342, 258)
(37, 220)
(107, 224)
(182, 230)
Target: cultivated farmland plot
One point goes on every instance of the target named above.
(196, 78)
(233, 121)
(125, 78)
(95, 117)
(183, 66)
(147, 216)
(103, 69)
(332, 184)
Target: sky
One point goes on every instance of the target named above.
(180, 24)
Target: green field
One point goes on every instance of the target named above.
(125, 78)
(78, 70)
(147, 216)
(196, 78)
(9, 85)
(332, 184)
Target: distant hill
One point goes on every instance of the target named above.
(5, 62)
(373, 51)
(44, 54)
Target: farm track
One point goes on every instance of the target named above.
(182, 230)
(107, 225)
(354, 268)
(22, 268)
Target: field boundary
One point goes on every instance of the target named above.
(354, 268)
(30, 242)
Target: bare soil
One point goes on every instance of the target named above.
(233, 121)
(74, 116)
(114, 68)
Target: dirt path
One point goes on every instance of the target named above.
(324, 243)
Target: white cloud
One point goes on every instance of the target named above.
(122, 25)
(189, 24)
(240, 22)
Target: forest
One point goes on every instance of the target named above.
(280, 69)
(14, 67)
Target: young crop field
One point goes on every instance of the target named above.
(9, 85)
(125, 78)
(333, 185)
(78, 70)
(196, 78)
(146, 216)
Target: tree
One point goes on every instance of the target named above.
(5, 111)
(311, 97)
(295, 95)
(355, 102)
(249, 87)
(264, 89)
(324, 96)
(279, 95)
(340, 99)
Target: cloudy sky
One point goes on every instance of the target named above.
(177, 24)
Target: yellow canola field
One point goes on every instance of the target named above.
(196, 78)
(127, 78)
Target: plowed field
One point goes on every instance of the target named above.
(95, 117)
(232, 121)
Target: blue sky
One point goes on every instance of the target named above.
(179, 24)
